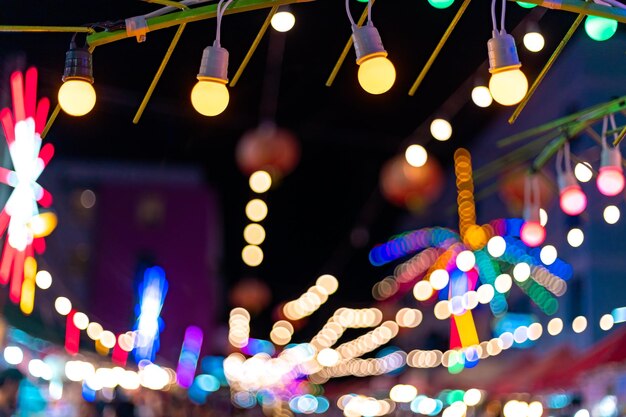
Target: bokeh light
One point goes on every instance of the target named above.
(63, 306)
(256, 210)
(441, 129)
(555, 326)
(583, 172)
(416, 155)
(481, 96)
(579, 324)
(254, 234)
(575, 237)
(260, 181)
(611, 214)
(252, 255)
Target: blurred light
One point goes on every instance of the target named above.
(582, 413)
(548, 254)
(535, 330)
(441, 4)
(81, 321)
(207, 383)
(555, 326)
(13, 355)
(154, 377)
(532, 233)
(579, 324)
(526, 5)
(496, 246)
(572, 200)
(583, 172)
(256, 210)
(63, 306)
(43, 279)
(534, 41)
(39, 369)
(611, 214)
(130, 380)
(328, 282)
(252, 255)
(503, 283)
(535, 409)
(575, 237)
(283, 21)
(94, 330)
(189, 354)
(481, 96)
(465, 260)
(619, 314)
(107, 339)
(521, 272)
(416, 155)
(55, 390)
(606, 322)
(87, 199)
(472, 397)
(260, 181)
(328, 357)
(610, 180)
(254, 234)
(441, 129)
(439, 278)
(422, 291)
(442, 310)
(543, 217)
(403, 393)
(409, 317)
(485, 293)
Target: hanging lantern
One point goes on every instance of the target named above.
(268, 148)
(411, 187)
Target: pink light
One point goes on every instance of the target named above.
(31, 92)
(17, 91)
(610, 180)
(119, 356)
(42, 114)
(15, 288)
(573, 201)
(46, 153)
(5, 263)
(533, 234)
(6, 117)
(72, 334)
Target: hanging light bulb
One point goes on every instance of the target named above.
(77, 96)
(610, 179)
(210, 96)
(481, 96)
(532, 232)
(533, 39)
(600, 28)
(508, 84)
(283, 20)
(572, 200)
(376, 73)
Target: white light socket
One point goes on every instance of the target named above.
(367, 43)
(214, 64)
(502, 53)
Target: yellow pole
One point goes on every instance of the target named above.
(620, 137)
(344, 53)
(546, 68)
(59, 29)
(439, 47)
(254, 45)
(159, 72)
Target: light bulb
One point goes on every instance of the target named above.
(441, 129)
(376, 75)
(600, 28)
(575, 237)
(481, 96)
(573, 200)
(526, 5)
(611, 214)
(508, 87)
(77, 97)
(283, 21)
(465, 260)
(210, 97)
(441, 4)
(416, 155)
(534, 41)
(583, 172)
(532, 234)
(610, 181)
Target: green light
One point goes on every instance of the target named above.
(441, 4)
(362, 1)
(457, 394)
(526, 5)
(600, 28)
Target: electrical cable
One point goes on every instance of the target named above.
(349, 13)
(220, 13)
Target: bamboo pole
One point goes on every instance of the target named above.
(581, 7)
(45, 29)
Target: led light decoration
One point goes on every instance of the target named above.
(610, 179)
(441, 129)
(533, 39)
(20, 218)
(532, 232)
(189, 354)
(152, 291)
(572, 199)
(210, 96)
(283, 20)
(376, 73)
(77, 96)
(481, 96)
(600, 28)
(508, 84)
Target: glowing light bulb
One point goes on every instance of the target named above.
(376, 74)
(210, 97)
(579, 324)
(416, 155)
(465, 260)
(252, 255)
(441, 129)
(534, 41)
(254, 234)
(583, 171)
(496, 246)
(532, 234)
(283, 21)
(481, 96)
(575, 237)
(503, 283)
(543, 217)
(260, 181)
(573, 200)
(521, 272)
(441, 4)
(526, 5)
(600, 28)
(43, 279)
(548, 255)
(77, 97)
(610, 180)
(508, 87)
(611, 214)
(63, 306)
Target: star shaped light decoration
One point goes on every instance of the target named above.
(20, 218)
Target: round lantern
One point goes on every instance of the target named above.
(412, 187)
(512, 190)
(268, 148)
(251, 294)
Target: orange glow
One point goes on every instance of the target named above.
(43, 224)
